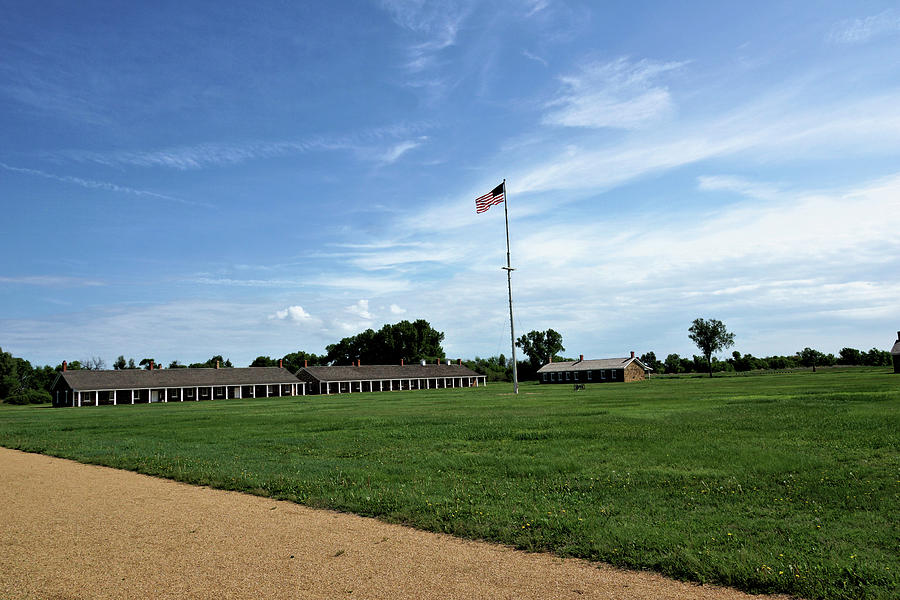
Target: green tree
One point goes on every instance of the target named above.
(540, 346)
(295, 361)
(850, 356)
(408, 341)
(146, 362)
(672, 364)
(264, 361)
(212, 363)
(177, 365)
(651, 361)
(876, 358)
(810, 358)
(131, 364)
(494, 368)
(710, 336)
(119, 363)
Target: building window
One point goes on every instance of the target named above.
(603, 374)
(545, 376)
(614, 373)
(190, 393)
(568, 376)
(552, 376)
(576, 375)
(590, 375)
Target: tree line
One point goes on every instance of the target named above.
(413, 341)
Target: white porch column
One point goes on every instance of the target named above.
(165, 394)
(79, 398)
(114, 397)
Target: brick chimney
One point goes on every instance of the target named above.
(358, 362)
(401, 362)
(217, 364)
(64, 366)
(305, 361)
(632, 354)
(151, 365)
(581, 358)
(280, 363)
(459, 361)
(437, 361)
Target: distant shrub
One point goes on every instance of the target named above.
(29, 397)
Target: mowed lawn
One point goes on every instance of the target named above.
(785, 482)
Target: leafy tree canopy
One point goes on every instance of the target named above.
(409, 341)
(651, 361)
(710, 336)
(811, 358)
(540, 346)
(294, 361)
(212, 362)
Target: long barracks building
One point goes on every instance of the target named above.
(137, 386)
(388, 378)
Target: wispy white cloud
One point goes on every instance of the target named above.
(861, 30)
(52, 281)
(97, 185)
(437, 22)
(375, 144)
(738, 185)
(396, 310)
(535, 6)
(772, 127)
(619, 94)
(393, 154)
(534, 57)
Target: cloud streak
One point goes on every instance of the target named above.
(377, 144)
(620, 94)
(862, 30)
(98, 185)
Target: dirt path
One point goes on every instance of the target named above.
(70, 531)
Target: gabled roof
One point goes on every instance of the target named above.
(376, 372)
(163, 378)
(896, 349)
(591, 365)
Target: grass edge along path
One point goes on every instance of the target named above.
(767, 484)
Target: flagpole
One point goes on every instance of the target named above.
(508, 268)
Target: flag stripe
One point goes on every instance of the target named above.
(495, 196)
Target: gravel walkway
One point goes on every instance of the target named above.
(69, 530)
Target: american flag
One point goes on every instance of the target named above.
(495, 196)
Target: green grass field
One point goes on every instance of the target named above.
(779, 483)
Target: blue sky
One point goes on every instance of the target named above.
(183, 179)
